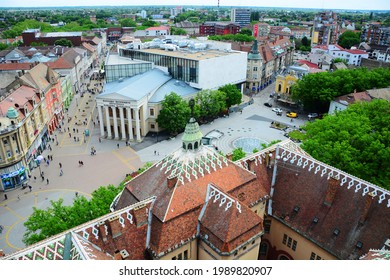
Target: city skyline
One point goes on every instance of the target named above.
(329, 4)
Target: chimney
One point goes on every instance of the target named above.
(367, 206)
(333, 184)
(114, 227)
(102, 231)
(141, 214)
(171, 181)
(251, 164)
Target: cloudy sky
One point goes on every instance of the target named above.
(322, 4)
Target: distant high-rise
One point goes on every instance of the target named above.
(143, 14)
(325, 29)
(241, 16)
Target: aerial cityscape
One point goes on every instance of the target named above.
(195, 131)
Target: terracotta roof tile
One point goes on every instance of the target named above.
(15, 66)
(297, 186)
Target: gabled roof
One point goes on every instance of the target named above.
(15, 66)
(358, 212)
(60, 63)
(354, 97)
(222, 221)
(99, 239)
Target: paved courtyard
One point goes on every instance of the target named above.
(111, 164)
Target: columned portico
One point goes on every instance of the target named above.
(108, 124)
(100, 112)
(123, 130)
(115, 122)
(130, 125)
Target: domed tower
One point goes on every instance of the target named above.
(255, 69)
(192, 137)
(13, 115)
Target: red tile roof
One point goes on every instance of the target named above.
(226, 226)
(178, 207)
(308, 63)
(16, 66)
(298, 187)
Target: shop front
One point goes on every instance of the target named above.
(13, 176)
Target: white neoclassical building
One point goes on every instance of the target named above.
(128, 108)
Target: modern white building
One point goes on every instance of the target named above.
(201, 68)
(353, 56)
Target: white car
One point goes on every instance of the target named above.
(277, 110)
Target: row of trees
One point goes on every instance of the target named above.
(316, 91)
(176, 112)
(233, 37)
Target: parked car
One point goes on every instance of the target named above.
(268, 104)
(277, 110)
(292, 114)
(313, 115)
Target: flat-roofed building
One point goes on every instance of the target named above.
(200, 68)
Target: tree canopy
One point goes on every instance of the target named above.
(349, 39)
(237, 154)
(315, 91)
(58, 217)
(209, 103)
(63, 42)
(356, 140)
(174, 114)
(233, 94)
(233, 37)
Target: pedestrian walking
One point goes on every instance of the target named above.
(74, 130)
(155, 152)
(77, 130)
(60, 164)
(35, 178)
(78, 139)
(43, 178)
(117, 145)
(47, 181)
(30, 188)
(74, 138)
(70, 135)
(18, 197)
(100, 140)
(61, 172)
(5, 196)
(68, 127)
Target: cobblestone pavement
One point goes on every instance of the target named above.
(110, 164)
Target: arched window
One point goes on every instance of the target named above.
(190, 146)
(280, 88)
(283, 257)
(196, 145)
(184, 145)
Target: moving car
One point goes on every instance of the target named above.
(292, 115)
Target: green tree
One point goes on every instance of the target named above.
(237, 154)
(178, 31)
(246, 31)
(305, 42)
(127, 22)
(209, 103)
(174, 114)
(356, 140)
(349, 39)
(315, 91)
(233, 95)
(63, 42)
(58, 217)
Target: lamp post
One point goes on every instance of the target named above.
(38, 162)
